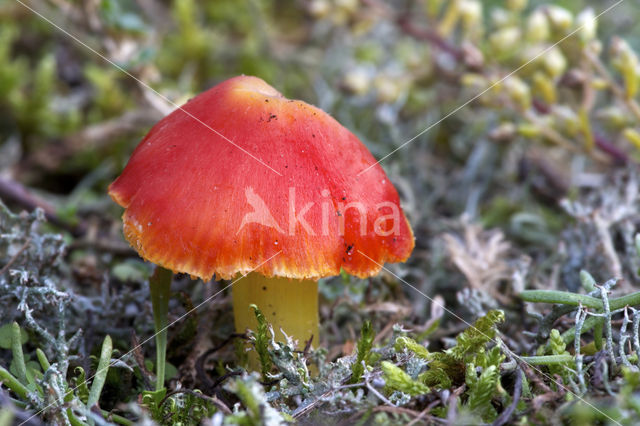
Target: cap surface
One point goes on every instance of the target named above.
(198, 203)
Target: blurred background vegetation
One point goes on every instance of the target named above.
(523, 187)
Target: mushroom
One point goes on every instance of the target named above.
(242, 182)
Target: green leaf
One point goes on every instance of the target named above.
(42, 359)
(408, 343)
(556, 343)
(82, 390)
(152, 400)
(485, 359)
(18, 357)
(398, 380)
(477, 336)
(436, 376)
(261, 341)
(33, 371)
(12, 383)
(6, 336)
(171, 371)
(587, 280)
(481, 392)
(101, 373)
(364, 349)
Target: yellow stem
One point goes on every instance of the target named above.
(288, 304)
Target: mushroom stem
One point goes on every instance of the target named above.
(288, 304)
(160, 290)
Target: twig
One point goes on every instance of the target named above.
(545, 326)
(221, 405)
(387, 329)
(535, 379)
(504, 417)
(550, 396)
(596, 377)
(307, 348)
(112, 247)
(318, 400)
(224, 377)
(24, 246)
(199, 365)
(605, 145)
(431, 36)
(376, 393)
(138, 357)
(422, 414)
(19, 194)
(452, 409)
(98, 135)
(307, 408)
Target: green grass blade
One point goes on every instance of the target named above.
(101, 373)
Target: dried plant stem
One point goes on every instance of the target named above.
(24, 246)
(379, 395)
(602, 228)
(547, 322)
(213, 399)
(24, 197)
(505, 416)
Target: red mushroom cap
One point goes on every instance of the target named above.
(274, 188)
